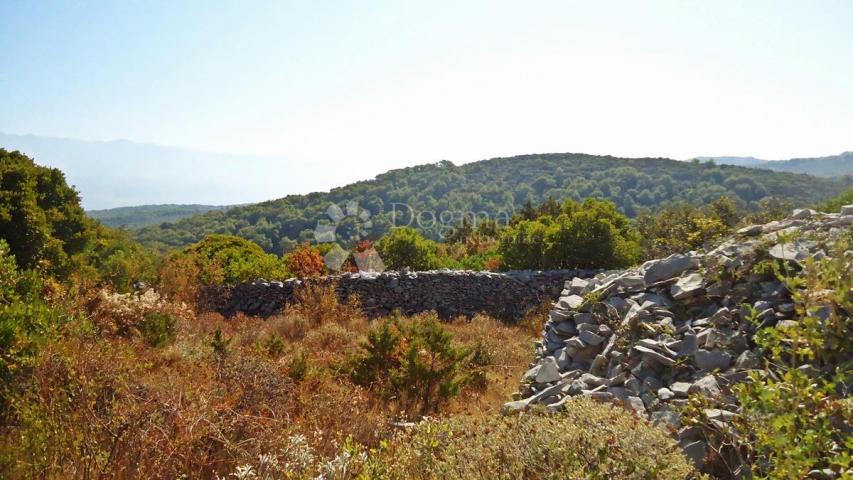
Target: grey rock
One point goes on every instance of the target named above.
(687, 286)
(591, 338)
(578, 286)
(680, 389)
(712, 359)
(748, 361)
(846, 210)
(571, 302)
(516, 406)
(797, 250)
(750, 231)
(653, 357)
(706, 386)
(802, 213)
(658, 270)
(636, 404)
(666, 418)
(665, 394)
(548, 371)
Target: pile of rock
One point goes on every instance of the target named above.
(651, 336)
(506, 295)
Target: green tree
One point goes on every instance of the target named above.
(406, 247)
(40, 215)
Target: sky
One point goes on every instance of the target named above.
(347, 90)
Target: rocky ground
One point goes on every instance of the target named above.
(652, 336)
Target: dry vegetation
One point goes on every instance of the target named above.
(109, 398)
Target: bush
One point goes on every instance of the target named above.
(406, 247)
(226, 259)
(416, 362)
(586, 440)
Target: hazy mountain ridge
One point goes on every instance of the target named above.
(831, 166)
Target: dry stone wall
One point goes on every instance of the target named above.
(506, 295)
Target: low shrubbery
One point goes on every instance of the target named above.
(586, 440)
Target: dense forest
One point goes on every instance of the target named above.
(496, 186)
(144, 215)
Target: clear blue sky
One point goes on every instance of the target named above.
(365, 86)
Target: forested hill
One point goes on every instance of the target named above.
(494, 186)
(144, 215)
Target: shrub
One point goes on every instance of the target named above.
(158, 329)
(297, 367)
(406, 247)
(273, 345)
(585, 440)
(416, 362)
(230, 260)
(219, 344)
(305, 261)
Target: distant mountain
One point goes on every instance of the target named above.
(144, 215)
(434, 193)
(831, 166)
(124, 173)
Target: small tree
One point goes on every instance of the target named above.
(417, 363)
(429, 374)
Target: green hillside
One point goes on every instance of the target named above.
(144, 215)
(499, 185)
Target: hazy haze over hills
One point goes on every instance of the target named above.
(829, 166)
(125, 173)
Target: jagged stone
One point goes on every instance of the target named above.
(653, 356)
(706, 386)
(658, 270)
(712, 359)
(591, 338)
(687, 286)
(680, 389)
(570, 302)
(548, 371)
(666, 418)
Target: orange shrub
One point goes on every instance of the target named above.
(305, 261)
